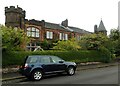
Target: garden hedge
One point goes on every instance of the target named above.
(17, 57)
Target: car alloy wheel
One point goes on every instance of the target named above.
(71, 71)
(37, 75)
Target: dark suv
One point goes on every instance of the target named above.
(35, 66)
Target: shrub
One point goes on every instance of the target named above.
(17, 57)
(69, 45)
(106, 54)
(13, 39)
(93, 41)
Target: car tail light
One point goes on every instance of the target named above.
(20, 66)
(26, 65)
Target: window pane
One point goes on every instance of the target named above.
(60, 36)
(47, 34)
(66, 36)
(44, 59)
(28, 33)
(28, 29)
(33, 34)
(32, 59)
(37, 30)
(37, 34)
(56, 59)
(63, 36)
(51, 35)
(33, 29)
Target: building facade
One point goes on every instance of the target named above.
(39, 31)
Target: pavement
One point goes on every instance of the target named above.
(11, 74)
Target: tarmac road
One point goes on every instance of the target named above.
(107, 75)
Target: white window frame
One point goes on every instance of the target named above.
(63, 36)
(49, 35)
(66, 36)
(60, 36)
(33, 32)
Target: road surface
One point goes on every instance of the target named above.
(107, 75)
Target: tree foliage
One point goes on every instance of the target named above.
(69, 45)
(93, 41)
(46, 45)
(98, 42)
(115, 38)
(114, 34)
(13, 39)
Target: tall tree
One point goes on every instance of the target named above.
(93, 41)
(114, 34)
(115, 38)
(13, 38)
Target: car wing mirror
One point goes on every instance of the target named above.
(61, 61)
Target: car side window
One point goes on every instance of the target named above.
(45, 59)
(32, 59)
(56, 59)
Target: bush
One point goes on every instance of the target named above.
(13, 39)
(94, 41)
(69, 45)
(106, 54)
(17, 57)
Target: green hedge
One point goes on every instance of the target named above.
(17, 57)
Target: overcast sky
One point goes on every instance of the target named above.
(80, 13)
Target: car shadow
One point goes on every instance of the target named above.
(46, 77)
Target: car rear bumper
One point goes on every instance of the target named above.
(24, 71)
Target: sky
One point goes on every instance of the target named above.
(80, 13)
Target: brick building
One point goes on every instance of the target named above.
(40, 30)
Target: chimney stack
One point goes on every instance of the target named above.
(65, 23)
(95, 28)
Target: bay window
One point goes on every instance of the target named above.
(33, 32)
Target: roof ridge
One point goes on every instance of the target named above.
(51, 23)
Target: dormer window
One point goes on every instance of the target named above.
(33, 32)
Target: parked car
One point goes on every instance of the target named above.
(35, 66)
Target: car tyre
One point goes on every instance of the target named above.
(36, 75)
(70, 71)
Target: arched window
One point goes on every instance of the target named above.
(33, 32)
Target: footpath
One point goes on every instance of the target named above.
(12, 73)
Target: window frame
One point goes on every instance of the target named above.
(43, 58)
(49, 34)
(31, 57)
(33, 32)
(66, 36)
(52, 58)
(63, 36)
